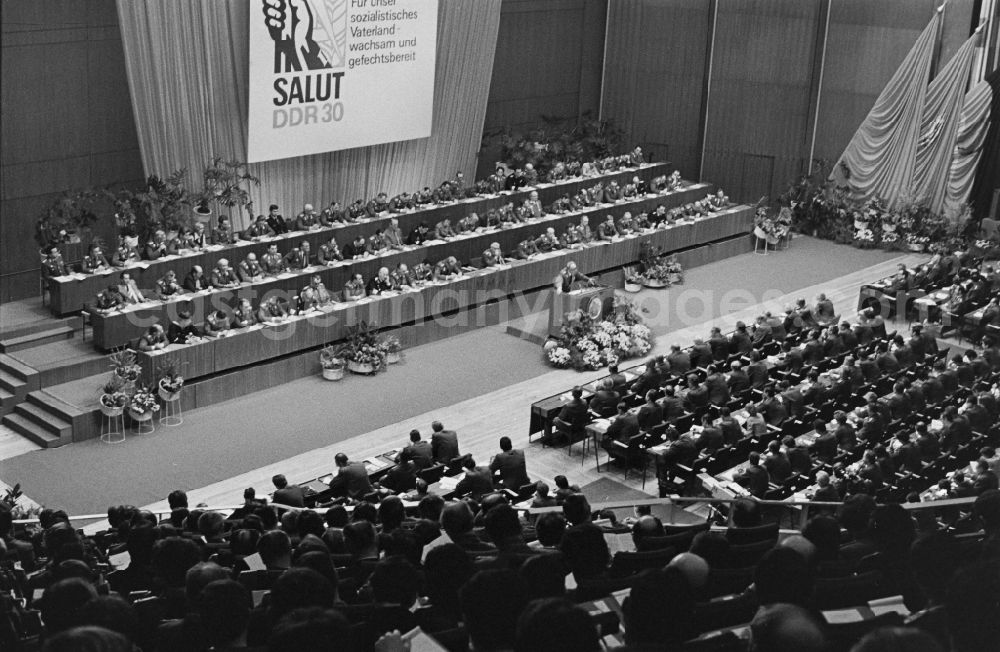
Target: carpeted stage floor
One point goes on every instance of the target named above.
(225, 440)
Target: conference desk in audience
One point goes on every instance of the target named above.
(69, 293)
(124, 326)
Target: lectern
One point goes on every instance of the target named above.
(597, 301)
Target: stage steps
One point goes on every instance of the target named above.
(16, 380)
(43, 419)
(56, 330)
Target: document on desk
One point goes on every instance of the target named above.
(843, 616)
(619, 542)
(892, 604)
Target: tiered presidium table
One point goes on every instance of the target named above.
(475, 287)
(69, 293)
(124, 326)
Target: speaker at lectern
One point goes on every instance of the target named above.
(597, 301)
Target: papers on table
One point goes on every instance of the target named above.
(843, 616)
(619, 542)
(120, 561)
(892, 604)
(450, 483)
(254, 562)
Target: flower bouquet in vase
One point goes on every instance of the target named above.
(169, 380)
(126, 366)
(333, 366)
(113, 397)
(143, 404)
(361, 351)
(393, 349)
(917, 242)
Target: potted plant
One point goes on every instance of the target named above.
(142, 404)
(393, 349)
(126, 366)
(361, 351)
(633, 279)
(113, 397)
(224, 186)
(333, 366)
(165, 202)
(67, 219)
(169, 380)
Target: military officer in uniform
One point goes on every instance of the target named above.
(243, 315)
(95, 261)
(392, 237)
(315, 294)
(443, 230)
(53, 264)
(355, 288)
(259, 229)
(586, 235)
(223, 234)
(447, 269)
(469, 223)
(548, 240)
(329, 253)
(570, 275)
(357, 248)
(420, 234)
(402, 276)
(493, 255)
(526, 249)
(272, 261)
(307, 220)
(250, 269)
(607, 230)
(272, 310)
(125, 254)
(382, 282)
(571, 239)
(223, 275)
(333, 214)
(299, 257)
(157, 246)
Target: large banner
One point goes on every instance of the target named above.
(327, 75)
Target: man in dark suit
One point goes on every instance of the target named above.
(478, 480)
(444, 443)
(718, 388)
(624, 427)
(650, 414)
(420, 451)
(605, 399)
(650, 379)
(825, 492)
(351, 479)
(617, 378)
(755, 477)
(701, 353)
(739, 341)
(574, 415)
(738, 380)
(757, 371)
(673, 407)
(710, 440)
(697, 394)
(276, 221)
(287, 495)
(680, 361)
(509, 463)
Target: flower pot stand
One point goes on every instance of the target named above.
(112, 425)
(360, 368)
(142, 424)
(172, 413)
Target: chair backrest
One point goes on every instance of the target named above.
(726, 581)
(432, 474)
(628, 563)
(747, 555)
(843, 592)
(743, 535)
(724, 611)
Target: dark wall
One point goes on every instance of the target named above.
(549, 61)
(67, 119)
(763, 94)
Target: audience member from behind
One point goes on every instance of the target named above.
(654, 594)
(491, 601)
(556, 625)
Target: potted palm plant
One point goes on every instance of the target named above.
(224, 186)
(169, 379)
(126, 366)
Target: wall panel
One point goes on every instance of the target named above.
(67, 119)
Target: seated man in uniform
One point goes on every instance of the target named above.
(381, 283)
(259, 229)
(273, 262)
(272, 310)
(53, 264)
(195, 281)
(243, 315)
(333, 214)
(571, 239)
(156, 247)
(570, 275)
(126, 254)
(447, 269)
(402, 276)
(223, 233)
(216, 324)
(315, 294)
(199, 239)
(299, 257)
(376, 245)
(250, 269)
(392, 236)
(276, 221)
(355, 288)
(548, 240)
(586, 235)
(607, 230)
(307, 220)
(329, 253)
(109, 299)
(167, 285)
(153, 339)
(526, 249)
(469, 223)
(443, 230)
(493, 256)
(223, 275)
(95, 261)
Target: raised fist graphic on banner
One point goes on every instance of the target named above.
(290, 24)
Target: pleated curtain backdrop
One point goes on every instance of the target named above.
(186, 62)
(972, 130)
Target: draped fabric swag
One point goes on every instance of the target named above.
(969, 140)
(187, 69)
(939, 125)
(881, 156)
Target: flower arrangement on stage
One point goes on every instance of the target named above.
(917, 242)
(656, 268)
(143, 401)
(365, 352)
(771, 228)
(113, 398)
(586, 344)
(169, 378)
(126, 365)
